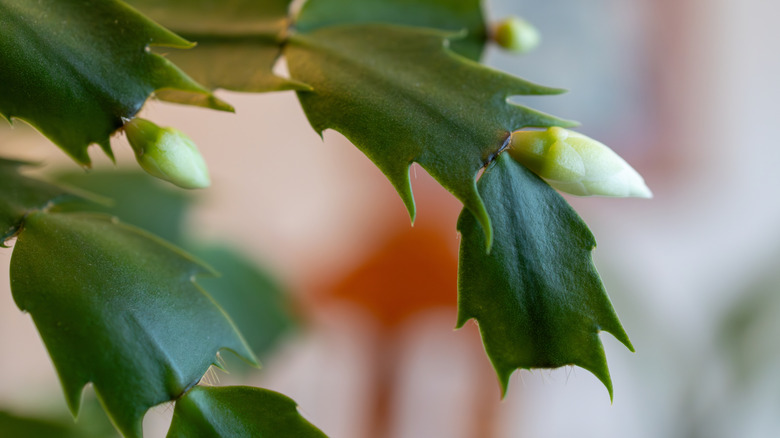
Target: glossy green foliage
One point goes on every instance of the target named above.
(238, 41)
(537, 297)
(238, 412)
(255, 302)
(117, 307)
(400, 96)
(75, 70)
(451, 15)
(19, 195)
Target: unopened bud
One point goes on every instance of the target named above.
(576, 164)
(516, 34)
(167, 154)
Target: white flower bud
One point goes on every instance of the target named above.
(516, 35)
(576, 164)
(167, 154)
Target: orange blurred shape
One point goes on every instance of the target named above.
(413, 271)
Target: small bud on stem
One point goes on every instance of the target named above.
(167, 154)
(576, 164)
(516, 35)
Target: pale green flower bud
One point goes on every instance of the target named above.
(576, 164)
(516, 35)
(167, 154)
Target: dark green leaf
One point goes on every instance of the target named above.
(238, 41)
(255, 302)
(452, 15)
(20, 195)
(238, 412)
(75, 69)
(118, 308)
(537, 297)
(400, 96)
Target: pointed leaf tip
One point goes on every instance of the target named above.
(402, 183)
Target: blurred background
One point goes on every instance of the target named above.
(684, 90)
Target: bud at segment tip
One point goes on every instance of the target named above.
(167, 154)
(576, 164)
(516, 35)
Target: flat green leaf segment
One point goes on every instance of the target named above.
(451, 15)
(20, 195)
(400, 96)
(238, 412)
(537, 297)
(75, 70)
(255, 302)
(238, 41)
(118, 308)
